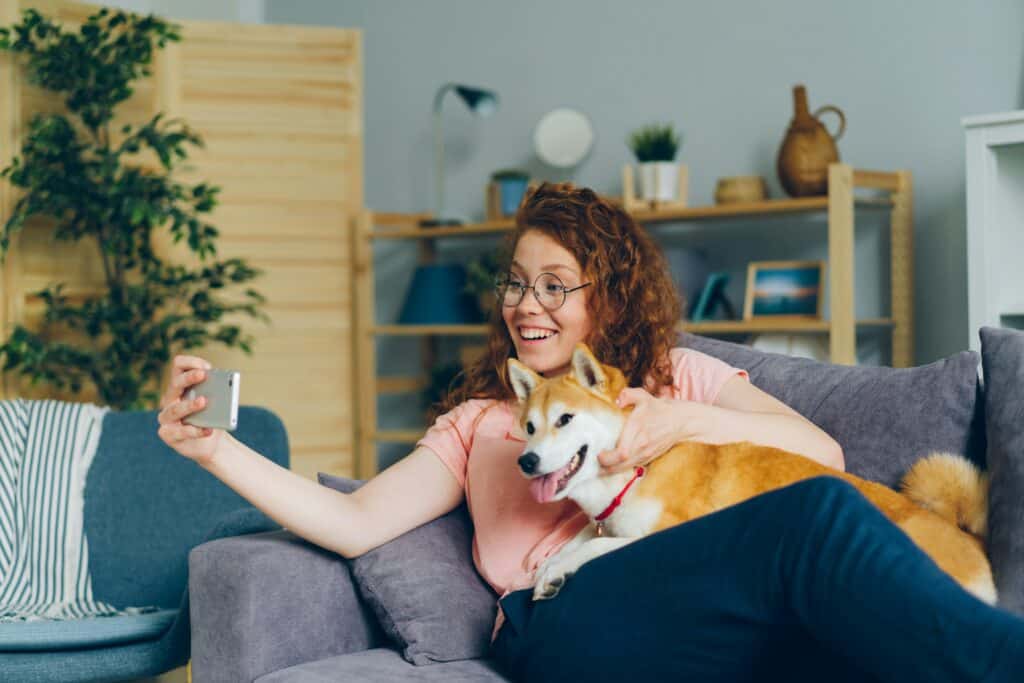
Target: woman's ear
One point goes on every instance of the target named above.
(523, 379)
(586, 369)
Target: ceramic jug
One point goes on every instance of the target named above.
(807, 149)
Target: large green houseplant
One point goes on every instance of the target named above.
(90, 180)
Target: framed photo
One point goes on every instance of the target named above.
(790, 289)
(711, 297)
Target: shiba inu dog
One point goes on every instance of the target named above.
(569, 419)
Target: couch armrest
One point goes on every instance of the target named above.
(264, 602)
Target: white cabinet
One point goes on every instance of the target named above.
(995, 221)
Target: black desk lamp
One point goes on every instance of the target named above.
(482, 103)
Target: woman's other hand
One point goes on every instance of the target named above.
(196, 443)
(653, 427)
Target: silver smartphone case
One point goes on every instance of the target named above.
(221, 391)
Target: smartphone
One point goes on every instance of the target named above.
(220, 388)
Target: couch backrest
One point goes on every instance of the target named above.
(884, 418)
(146, 506)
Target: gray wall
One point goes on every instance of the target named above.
(242, 11)
(904, 73)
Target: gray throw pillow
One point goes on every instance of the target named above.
(1002, 360)
(884, 418)
(424, 589)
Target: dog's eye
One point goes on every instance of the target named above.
(529, 428)
(563, 420)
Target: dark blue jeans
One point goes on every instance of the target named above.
(810, 582)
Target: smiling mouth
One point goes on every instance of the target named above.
(546, 487)
(572, 468)
(532, 334)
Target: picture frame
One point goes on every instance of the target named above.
(712, 297)
(784, 290)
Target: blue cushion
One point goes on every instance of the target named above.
(68, 634)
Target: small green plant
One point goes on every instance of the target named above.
(654, 143)
(114, 188)
(481, 276)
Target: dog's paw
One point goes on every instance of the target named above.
(550, 582)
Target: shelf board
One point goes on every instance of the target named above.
(427, 330)
(796, 326)
(397, 435)
(803, 205)
(391, 384)
(504, 225)
(768, 206)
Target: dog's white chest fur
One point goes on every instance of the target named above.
(633, 517)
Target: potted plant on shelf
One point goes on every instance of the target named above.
(655, 147)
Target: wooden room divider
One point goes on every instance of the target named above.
(280, 109)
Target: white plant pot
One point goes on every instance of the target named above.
(659, 180)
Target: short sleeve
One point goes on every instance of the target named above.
(696, 376)
(451, 437)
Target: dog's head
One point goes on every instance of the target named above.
(568, 420)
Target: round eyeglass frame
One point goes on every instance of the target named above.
(502, 285)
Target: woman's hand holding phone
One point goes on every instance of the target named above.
(196, 443)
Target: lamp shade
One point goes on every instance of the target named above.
(437, 296)
(480, 101)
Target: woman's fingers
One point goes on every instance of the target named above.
(632, 395)
(612, 460)
(179, 410)
(188, 362)
(187, 379)
(180, 432)
(185, 371)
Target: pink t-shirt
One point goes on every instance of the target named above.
(480, 442)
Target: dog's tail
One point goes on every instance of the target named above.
(952, 487)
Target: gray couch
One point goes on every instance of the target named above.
(270, 607)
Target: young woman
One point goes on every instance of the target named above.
(807, 581)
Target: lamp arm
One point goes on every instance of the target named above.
(439, 150)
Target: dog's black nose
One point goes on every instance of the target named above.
(528, 462)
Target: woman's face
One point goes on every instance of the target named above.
(544, 339)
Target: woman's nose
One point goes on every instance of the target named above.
(529, 302)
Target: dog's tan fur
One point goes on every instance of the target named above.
(694, 479)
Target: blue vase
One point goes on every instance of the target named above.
(437, 296)
(512, 191)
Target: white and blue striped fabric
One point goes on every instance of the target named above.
(46, 448)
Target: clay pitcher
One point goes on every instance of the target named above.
(807, 149)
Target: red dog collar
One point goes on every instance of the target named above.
(616, 501)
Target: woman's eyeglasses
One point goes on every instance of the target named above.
(548, 289)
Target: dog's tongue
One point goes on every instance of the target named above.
(543, 488)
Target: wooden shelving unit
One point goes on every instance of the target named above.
(894, 194)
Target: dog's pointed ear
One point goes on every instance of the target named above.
(586, 369)
(523, 379)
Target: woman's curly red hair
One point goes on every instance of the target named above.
(633, 305)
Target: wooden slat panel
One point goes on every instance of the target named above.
(842, 339)
(902, 271)
(280, 111)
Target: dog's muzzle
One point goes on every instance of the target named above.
(528, 462)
